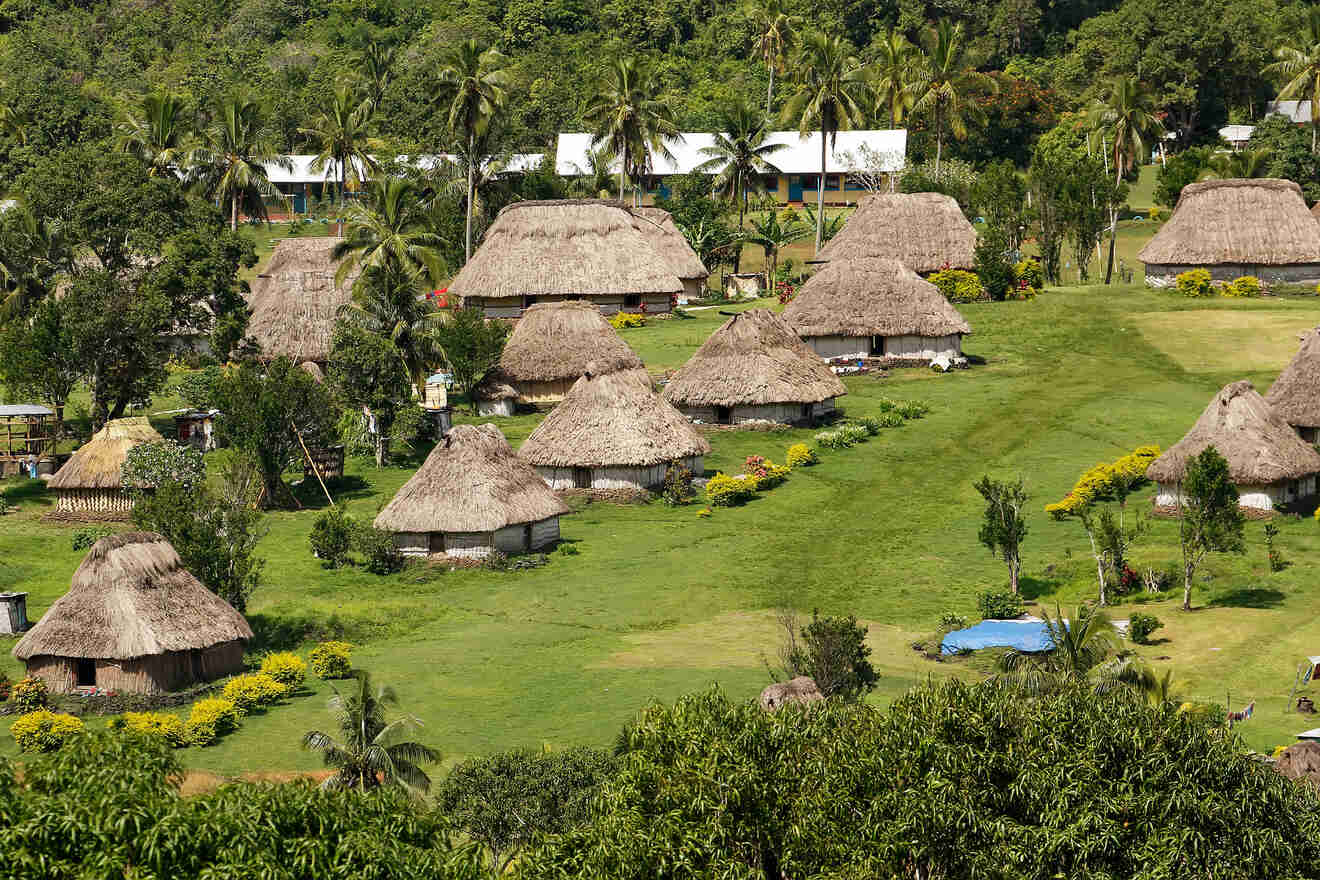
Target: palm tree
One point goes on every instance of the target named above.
(1300, 65)
(230, 164)
(158, 135)
(1081, 646)
(12, 125)
(628, 115)
(391, 230)
(593, 182)
(387, 303)
(474, 80)
(739, 157)
(829, 84)
(1246, 164)
(370, 752)
(340, 133)
(945, 82)
(775, 29)
(33, 251)
(773, 236)
(892, 77)
(1126, 123)
(378, 66)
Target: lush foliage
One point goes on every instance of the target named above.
(999, 606)
(832, 651)
(196, 388)
(84, 538)
(166, 725)
(149, 465)
(285, 667)
(472, 345)
(799, 455)
(766, 473)
(627, 320)
(1105, 481)
(723, 490)
(29, 694)
(957, 285)
(677, 489)
(43, 730)
(248, 692)
(1248, 286)
(1003, 525)
(1140, 627)
(1194, 283)
(210, 719)
(332, 659)
(1209, 518)
(332, 536)
(379, 552)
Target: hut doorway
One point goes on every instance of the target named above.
(808, 412)
(436, 543)
(877, 346)
(527, 538)
(723, 415)
(85, 672)
(195, 661)
(581, 478)
(632, 300)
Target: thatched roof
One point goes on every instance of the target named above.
(614, 419)
(752, 359)
(98, 464)
(1295, 395)
(570, 247)
(1315, 210)
(132, 597)
(871, 296)
(313, 369)
(1254, 222)
(657, 226)
(1258, 444)
(471, 482)
(923, 231)
(801, 691)
(555, 341)
(1301, 762)
(295, 301)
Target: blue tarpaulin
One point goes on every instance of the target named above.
(1024, 635)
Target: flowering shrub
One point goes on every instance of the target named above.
(1099, 482)
(5, 687)
(43, 730)
(29, 694)
(677, 489)
(626, 320)
(247, 692)
(285, 667)
(331, 659)
(1029, 270)
(211, 719)
(154, 464)
(908, 409)
(1140, 626)
(1194, 282)
(785, 290)
(800, 455)
(999, 606)
(957, 285)
(766, 473)
(835, 439)
(1246, 287)
(723, 490)
(161, 724)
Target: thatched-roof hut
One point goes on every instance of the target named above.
(1301, 763)
(1272, 467)
(754, 368)
(295, 301)
(657, 226)
(1237, 227)
(924, 231)
(135, 621)
(88, 485)
(613, 432)
(875, 307)
(1295, 395)
(471, 496)
(548, 351)
(542, 251)
(313, 369)
(800, 691)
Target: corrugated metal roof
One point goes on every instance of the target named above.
(24, 409)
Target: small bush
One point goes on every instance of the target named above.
(999, 606)
(5, 687)
(950, 621)
(725, 491)
(30, 694)
(332, 536)
(627, 320)
(832, 440)
(1028, 271)
(43, 730)
(285, 667)
(1246, 287)
(377, 547)
(162, 724)
(247, 692)
(332, 659)
(872, 425)
(957, 285)
(765, 472)
(211, 719)
(495, 560)
(83, 539)
(912, 409)
(1194, 283)
(800, 455)
(678, 486)
(568, 550)
(1140, 626)
(854, 434)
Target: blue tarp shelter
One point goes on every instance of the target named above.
(1023, 635)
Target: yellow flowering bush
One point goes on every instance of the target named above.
(29, 694)
(331, 659)
(1247, 286)
(799, 455)
(723, 490)
(211, 719)
(161, 724)
(285, 667)
(958, 286)
(1194, 282)
(43, 730)
(1099, 481)
(627, 320)
(252, 690)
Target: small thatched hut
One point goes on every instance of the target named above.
(1295, 395)
(657, 226)
(800, 691)
(1237, 227)
(924, 231)
(542, 251)
(613, 432)
(874, 307)
(88, 485)
(1301, 763)
(313, 369)
(1272, 467)
(548, 351)
(754, 368)
(295, 301)
(470, 497)
(136, 621)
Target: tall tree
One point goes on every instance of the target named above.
(893, 76)
(33, 251)
(738, 157)
(947, 81)
(776, 30)
(236, 149)
(1209, 518)
(473, 81)
(472, 345)
(340, 134)
(1004, 528)
(772, 235)
(1299, 64)
(829, 85)
(378, 68)
(391, 229)
(1126, 123)
(387, 304)
(367, 375)
(628, 113)
(157, 134)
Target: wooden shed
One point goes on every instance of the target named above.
(88, 486)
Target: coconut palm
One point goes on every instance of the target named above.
(378, 67)
(157, 135)
(340, 134)
(33, 251)
(1082, 646)
(739, 157)
(829, 93)
(387, 302)
(12, 125)
(1125, 121)
(473, 80)
(893, 78)
(628, 114)
(945, 84)
(371, 751)
(235, 151)
(392, 229)
(775, 32)
(1299, 65)
(773, 235)
(1243, 164)
(593, 181)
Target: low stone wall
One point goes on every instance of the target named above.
(1164, 275)
(780, 413)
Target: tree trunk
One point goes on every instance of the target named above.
(1189, 571)
(742, 209)
(233, 212)
(1014, 568)
(342, 185)
(939, 146)
(382, 449)
(1113, 234)
(621, 163)
(467, 230)
(769, 90)
(820, 192)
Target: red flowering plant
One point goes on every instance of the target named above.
(786, 291)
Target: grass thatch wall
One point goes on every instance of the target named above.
(1262, 222)
(924, 231)
(295, 301)
(871, 296)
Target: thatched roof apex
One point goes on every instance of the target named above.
(1315, 210)
(800, 691)
(1258, 444)
(313, 369)
(614, 419)
(132, 597)
(471, 482)
(554, 341)
(1301, 762)
(871, 296)
(1295, 395)
(1253, 222)
(658, 227)
(753, 359)
(295, 301)
(923, 231)
(99, 464)
(565, 247)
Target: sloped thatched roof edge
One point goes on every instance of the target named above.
(871, 296)
(658, 227)
(555, 341)
(1295, 395)
(295, 302)
(99, 464)
(923, 231)
(1252, 222)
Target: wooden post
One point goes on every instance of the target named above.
(316, 470)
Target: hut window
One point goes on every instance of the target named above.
(528, 302)
(581, 478)
(86, 673)
(632, 300)
(437, 543)
(723, 415)
(877, 346)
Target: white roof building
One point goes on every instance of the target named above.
(302, 170)
(1297, 111)
(1237, 135)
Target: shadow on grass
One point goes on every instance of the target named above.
(311, 497)
(284, 633)
(1035, 587)
(1249, 597)
(28, 490)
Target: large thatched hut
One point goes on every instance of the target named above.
(924, 231)
(657, 226)
(548, 351)
(613, 432)
(472, 496)
(89, 484)
(754, 368)
(1237, 227)
(1295, 395)
(875, 307)
(135, 621)
(295, 301)
(1272, 467)
(543, 251)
